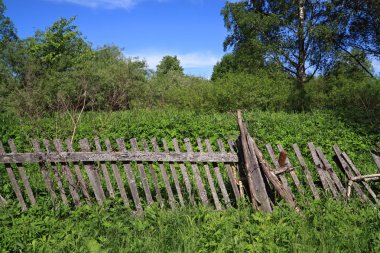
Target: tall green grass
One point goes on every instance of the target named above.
(324, 226)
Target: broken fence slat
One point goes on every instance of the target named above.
(56, 173)
(214, 194)
(164, 176)
(116, 173)
(68, 175)
(330, 170)
(103, 166)
(44, 171)
(154, 177)
(376, 159)
(14, 183)
(219, 177)
(292, 171)
(197, 175)
(306, 171)
(357, 172)
(130, 177)
(230, 173)
(345, 167)
(185, 175)
(82, 183)
(174, 174)
(92, 173)
(23, 175)
(144, 179)
(276, 164)
(325, 178)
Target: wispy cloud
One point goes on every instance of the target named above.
(197, 63)
(115, 4)
(188, 60)
(107, 4)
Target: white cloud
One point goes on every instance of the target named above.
(194, 63)
(107, 4)
(188, 60)
(114, 4)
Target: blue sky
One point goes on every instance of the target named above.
(150, 29)
(191, 29)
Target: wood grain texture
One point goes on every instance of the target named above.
(185, 175)
(81, 181)
(69, 176)
(174, 175)
(144, 179)
(219, 178)
(306, 171)
(126, 156)
(93, 174)
(44, 171)
(23, 175)
(103, 166)
(210, 180)
(14, 183)
(116, 173)
(153, 174)
(130, 177)
(197, 175)
(57, 176)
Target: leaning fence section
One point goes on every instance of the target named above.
(172, 174)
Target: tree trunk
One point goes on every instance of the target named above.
(301, 75)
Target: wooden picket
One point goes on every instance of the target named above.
(163, 172)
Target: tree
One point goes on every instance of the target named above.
(169, 64)
(302, 37)
(60, 47)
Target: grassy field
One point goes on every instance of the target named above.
(324, 226)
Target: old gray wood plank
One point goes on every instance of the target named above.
(130, 177)
(44, 171)
(81, 181)
(292, 171)
(231, 176)
(219, 178)
(197, 175)
(14, 183)
(118, 156)
(345, 167)
(325, 178)
(306, 171)
(92, 173)
(56, 173)
(143, 177)
(174, 174)
(185, 176)
(23, 175)
(357, 172)
(330, 170)
(69, 176)
(103, 166)
(210, 180)
(164, 176)
(116, 173)
(376, 159)
(154, 176)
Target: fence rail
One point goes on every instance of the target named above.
(177, 173)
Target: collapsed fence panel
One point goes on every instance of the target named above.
(176, 174)
(83, 175)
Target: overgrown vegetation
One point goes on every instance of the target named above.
(55, 84)
(329, 225)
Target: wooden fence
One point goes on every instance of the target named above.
(175, 174)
